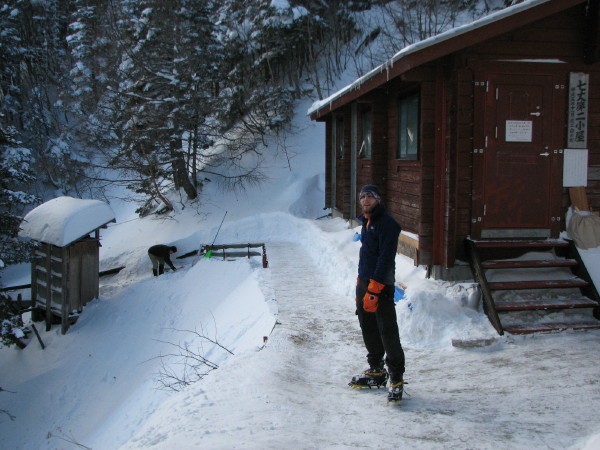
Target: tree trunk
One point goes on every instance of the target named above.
(179, 170)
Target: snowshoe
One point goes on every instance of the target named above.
(395, 392)
(373, 377)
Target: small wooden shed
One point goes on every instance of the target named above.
(469, 133)
(65, 265)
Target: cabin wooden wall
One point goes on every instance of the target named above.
(447, 86)
(343, 167)
(463, 151)
(328, 150)
(410, 183)
(593, 188)
(374, 170)
(559, 38)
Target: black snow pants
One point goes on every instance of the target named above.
(380, 331)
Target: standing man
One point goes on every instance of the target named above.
(375, 296)
(159, 255)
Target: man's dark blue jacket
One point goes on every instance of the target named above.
(379, 238)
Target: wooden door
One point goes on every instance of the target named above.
(514, 159)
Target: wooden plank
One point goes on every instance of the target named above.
(473, 343)
(224, 254)
(226, 246)
(15, 288)
(522, 244)
(48, 250)
(66, 294)
(549, 327)
(521, 264)
(544, 303)
(536, 284)
(116, 270)
(579, 198)
(411, 242)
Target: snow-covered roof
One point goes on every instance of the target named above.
(64, 220)
(424, 45)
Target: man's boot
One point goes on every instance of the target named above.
(396, 390)
(161, 270)
(155, 272)
(372, 377)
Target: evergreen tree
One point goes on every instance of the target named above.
(168, 75)
(91, 50)
(32, 82)
(15, 176)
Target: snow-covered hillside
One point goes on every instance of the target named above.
(287, 343)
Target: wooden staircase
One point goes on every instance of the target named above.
(532, 286)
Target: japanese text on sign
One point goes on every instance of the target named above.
(519, 130)
(578, 109)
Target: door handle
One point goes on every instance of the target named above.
(545, 154)
(536, 114)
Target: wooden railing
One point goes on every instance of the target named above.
(225, 251)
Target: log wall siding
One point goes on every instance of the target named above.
(366, 167)
(328, 159)
(410, 183)
(593, 188)
(343, 168)
(459, 163)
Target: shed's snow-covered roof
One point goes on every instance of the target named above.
(64, 220)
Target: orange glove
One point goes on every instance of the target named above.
(371, 298)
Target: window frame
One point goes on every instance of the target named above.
(339, 138)
(366, 146)
(411, 117)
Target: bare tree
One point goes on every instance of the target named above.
(186, 364)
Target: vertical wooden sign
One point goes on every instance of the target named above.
(579, 85)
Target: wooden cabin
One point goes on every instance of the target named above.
(474, 135)
(65, 264)
(465, 132)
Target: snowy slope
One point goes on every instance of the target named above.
(102, 385)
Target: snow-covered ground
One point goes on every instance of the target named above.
(286, 342)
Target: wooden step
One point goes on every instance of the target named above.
(546, 303)
(530, 328)
(548, 243)
(537, 284)
(523, 264)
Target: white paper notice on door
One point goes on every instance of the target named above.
(519, 130)
(575, 167)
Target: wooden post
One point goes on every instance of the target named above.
(48, 286)
(65, 307)
(265, 262)
(579, 198)
(38, 336)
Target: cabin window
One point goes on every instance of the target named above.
(339, 137)
(366, 127)
(408, 127)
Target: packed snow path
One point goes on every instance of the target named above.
(293, 393)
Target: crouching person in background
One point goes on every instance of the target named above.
(159, 255)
